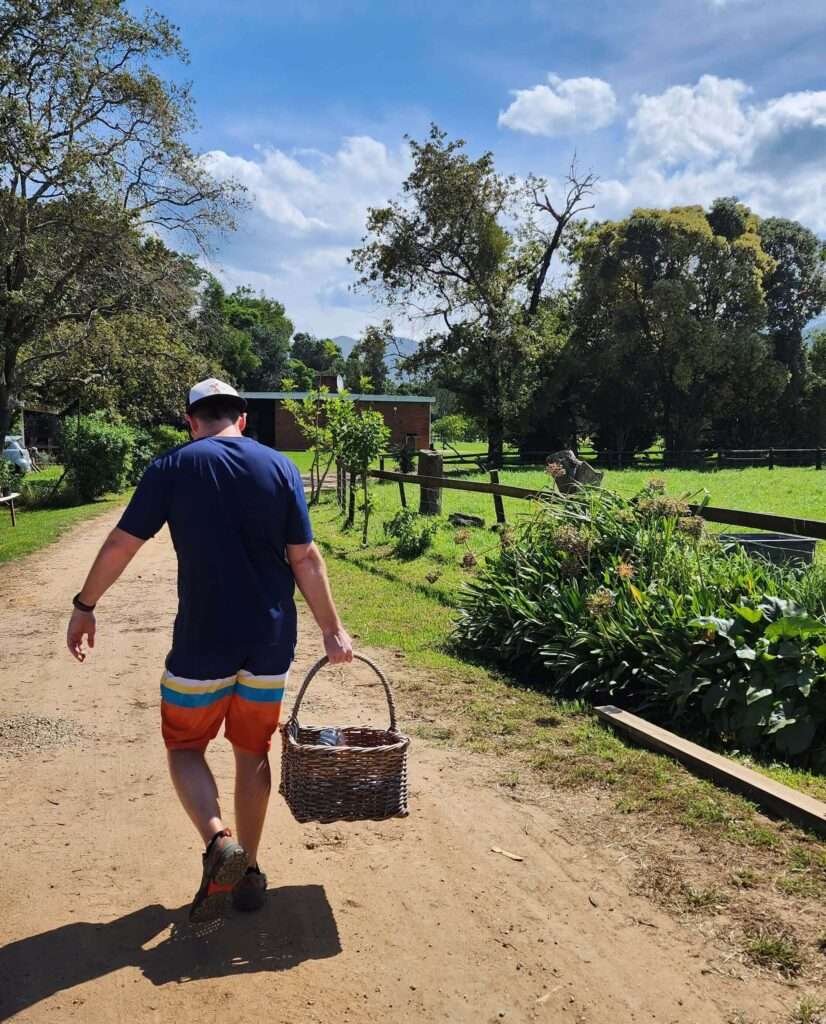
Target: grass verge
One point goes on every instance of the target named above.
(37, 528)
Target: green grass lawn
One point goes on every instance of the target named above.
(38, 527)
(439, 572)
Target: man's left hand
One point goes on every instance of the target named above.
(338, 646)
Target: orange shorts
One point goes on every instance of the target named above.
(192, 710)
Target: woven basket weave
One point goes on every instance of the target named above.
(363, 779)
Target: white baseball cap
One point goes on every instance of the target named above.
(211, 387)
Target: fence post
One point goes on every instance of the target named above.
(819, 459)
(771, 458)
(402, 494)
(430, 498)
(497, 498)
(381, 463)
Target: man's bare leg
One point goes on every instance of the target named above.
(252, 795)
(195, 785)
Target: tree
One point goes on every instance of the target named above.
(360, 441)
(298, 377)
(137, 366)
(816, 387)
(448, 252)
(668, 313)
(366, 362)
(320, 354)
(92, 155)
(323, 418)
(795, 295)
(265, 322)
(224, 343)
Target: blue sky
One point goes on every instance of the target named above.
(668, 102)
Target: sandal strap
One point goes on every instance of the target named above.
(218, 835)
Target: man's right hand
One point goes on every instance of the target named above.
(338, 646)
(81, 625)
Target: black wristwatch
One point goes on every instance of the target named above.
(81, 607)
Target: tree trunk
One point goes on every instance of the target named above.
(351, 511)
(496, 441)
(5, 414)
(366, 506)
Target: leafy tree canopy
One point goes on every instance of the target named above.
(320, 354)
(93, 152)
(468, 250)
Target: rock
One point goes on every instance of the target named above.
(577, 474)
(460, 519)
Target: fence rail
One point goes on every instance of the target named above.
(700, 458)
(813, 528)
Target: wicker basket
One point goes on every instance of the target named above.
(362, 779)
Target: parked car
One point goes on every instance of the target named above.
(16, 454)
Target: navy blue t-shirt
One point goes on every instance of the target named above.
(232, 506)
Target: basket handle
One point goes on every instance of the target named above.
(319, 665)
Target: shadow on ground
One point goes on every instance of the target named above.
(297, 924)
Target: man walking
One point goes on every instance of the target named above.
(241, 530)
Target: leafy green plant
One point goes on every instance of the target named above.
(456, 427)
(8, 476)
(413, 533)
(629, 602)
(149, 444)
(323, 419)
(360, 440)
(97, 455)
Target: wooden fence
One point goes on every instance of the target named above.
(813, 528)
(657, 458)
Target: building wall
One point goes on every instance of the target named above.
(403, 419)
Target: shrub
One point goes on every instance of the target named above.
(413, 533)
(629, 603)
(97, 455)
(404, 458)
(8, 477)
(149, 444)
(456, 427)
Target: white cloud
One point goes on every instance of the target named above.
(690, 144)
(563, 106)
(687, 123)
(308, 210)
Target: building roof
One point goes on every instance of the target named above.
(298, 395)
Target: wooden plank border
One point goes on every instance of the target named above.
(775, 797)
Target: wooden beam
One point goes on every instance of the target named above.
(448, 483)
(813, 528)
(763, 521)
(779, 799)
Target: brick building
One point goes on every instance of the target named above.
(407, 416)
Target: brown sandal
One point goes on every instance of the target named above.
(224, 865)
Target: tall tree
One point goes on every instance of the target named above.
(464, 248)
(225, 343)
(92, 153)
(320, 354)
(795, 295)
(366, 363)
(264, 323)
(666, 300)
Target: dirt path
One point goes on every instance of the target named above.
(413, 920)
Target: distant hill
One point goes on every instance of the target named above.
(403, 347)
